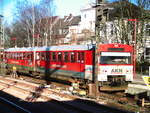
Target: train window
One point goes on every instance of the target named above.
(15, 56)
(47, 56)
(117, 58)
(18, 56)
(37, 56)
(59, 56)
(12, 55)
(53, 56)
(72, 56)
(42, 55)
(24, 56)
(29, 56)
(9, 55)
(80, 57)
(1, 55)
(21, 56)
(65, 56)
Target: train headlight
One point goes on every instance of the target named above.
(103, 71)
(128, 71)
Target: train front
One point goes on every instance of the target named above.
(115, 66)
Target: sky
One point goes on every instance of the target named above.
(63, 7)
(6, 8)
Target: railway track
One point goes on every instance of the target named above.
(114, 99)
(34, 93)
(11, 107)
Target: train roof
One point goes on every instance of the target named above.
(52, 48)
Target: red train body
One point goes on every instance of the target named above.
(74, 62)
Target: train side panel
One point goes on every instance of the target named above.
(67, 63)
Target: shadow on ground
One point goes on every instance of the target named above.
(54, 106)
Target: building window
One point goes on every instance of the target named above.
(112, 29)
(60, 31)
(147, 30)
(65, 31)
(84, 15)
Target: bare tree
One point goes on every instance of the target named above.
(124, 10)
(31, 16)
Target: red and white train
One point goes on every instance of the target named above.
(115, 62)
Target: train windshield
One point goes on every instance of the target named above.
(115, 58)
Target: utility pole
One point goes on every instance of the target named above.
(100, 19)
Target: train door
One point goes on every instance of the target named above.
(81, 62)
(88, 65)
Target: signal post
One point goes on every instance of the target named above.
(134, 46)
(100, 19)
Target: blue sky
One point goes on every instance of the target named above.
(6, 8)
